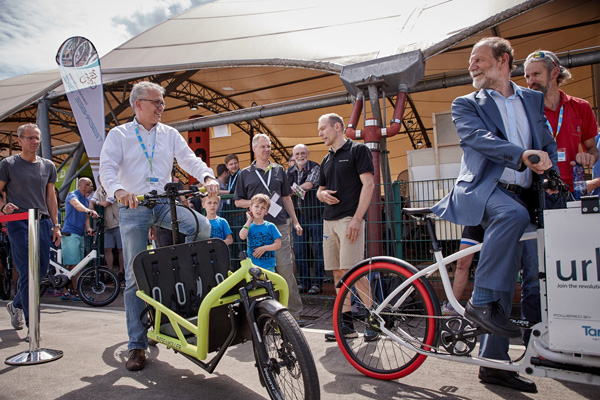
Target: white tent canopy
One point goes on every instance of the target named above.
(230, 54)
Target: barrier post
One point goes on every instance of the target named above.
(35, 355)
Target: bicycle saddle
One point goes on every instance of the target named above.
(417, 212)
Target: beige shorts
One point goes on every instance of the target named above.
(338, 251)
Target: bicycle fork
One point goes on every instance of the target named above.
(251, 308)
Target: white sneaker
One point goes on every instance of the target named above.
(16, 316)
(447, 310)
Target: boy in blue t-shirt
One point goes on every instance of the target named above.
(263, 236)
(219, 226)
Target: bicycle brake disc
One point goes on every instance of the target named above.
(58, 281)
(453, 339)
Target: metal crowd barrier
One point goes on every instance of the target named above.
(35, 355)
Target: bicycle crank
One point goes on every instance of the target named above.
(458, 336)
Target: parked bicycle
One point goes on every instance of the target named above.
(97, 285)
(393, 297)
(197, 305)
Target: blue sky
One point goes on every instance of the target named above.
(31, 31)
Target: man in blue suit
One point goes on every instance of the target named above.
(499, 126)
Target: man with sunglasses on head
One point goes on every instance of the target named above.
(571, 123)
(137, 157)
(571, 120)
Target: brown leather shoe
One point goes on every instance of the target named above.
(137, 359)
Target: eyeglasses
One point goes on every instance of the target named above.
(542, 54)
(32, 138)
(157, 103)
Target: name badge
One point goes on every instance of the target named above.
(275, 208)
(562, 154)
(152, 180)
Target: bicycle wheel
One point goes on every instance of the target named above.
(408, 315)
(291, 372)
(102, 293)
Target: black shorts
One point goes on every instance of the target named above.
(472, 235)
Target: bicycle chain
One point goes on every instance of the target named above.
(422, 316)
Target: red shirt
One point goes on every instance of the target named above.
(578, 125)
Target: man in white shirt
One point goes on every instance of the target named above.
(137, 157)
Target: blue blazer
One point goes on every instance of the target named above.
(487, 152)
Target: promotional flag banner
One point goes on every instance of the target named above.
(79, 66)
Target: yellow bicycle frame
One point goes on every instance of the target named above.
(218, 296)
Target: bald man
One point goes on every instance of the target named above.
(76, 225)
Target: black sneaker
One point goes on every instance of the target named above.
(348, 331)
(370, 335)
(314, 290)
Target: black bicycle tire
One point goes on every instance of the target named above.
(5, 287)
(114, 279)
(391, 360)
(284, 323)
(5, 280)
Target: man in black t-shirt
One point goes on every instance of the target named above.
(346, 187)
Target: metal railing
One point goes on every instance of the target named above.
(398, 236)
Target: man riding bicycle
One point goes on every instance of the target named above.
(499, 126)
(137, 157)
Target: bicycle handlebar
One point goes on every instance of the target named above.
(154, 195)
(551, 178)
(170, 192)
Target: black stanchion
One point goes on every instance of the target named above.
(35, 355)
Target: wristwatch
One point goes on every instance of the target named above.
(57, 225)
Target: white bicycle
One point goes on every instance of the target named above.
(397, 300)
(97, 285)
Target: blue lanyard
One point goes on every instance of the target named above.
(560, 118)
(150, 159)
(232, 182)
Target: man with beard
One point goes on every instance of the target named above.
(570, 119)
(305, 174)
(500, 126)
(571, 122)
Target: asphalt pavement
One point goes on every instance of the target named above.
(94, 344)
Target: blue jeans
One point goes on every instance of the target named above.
(18, 234)
(530, 286)
(312, 236)
(134, 225)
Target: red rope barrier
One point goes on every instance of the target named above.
(14, 217)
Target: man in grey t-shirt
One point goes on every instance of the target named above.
(27, 181)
